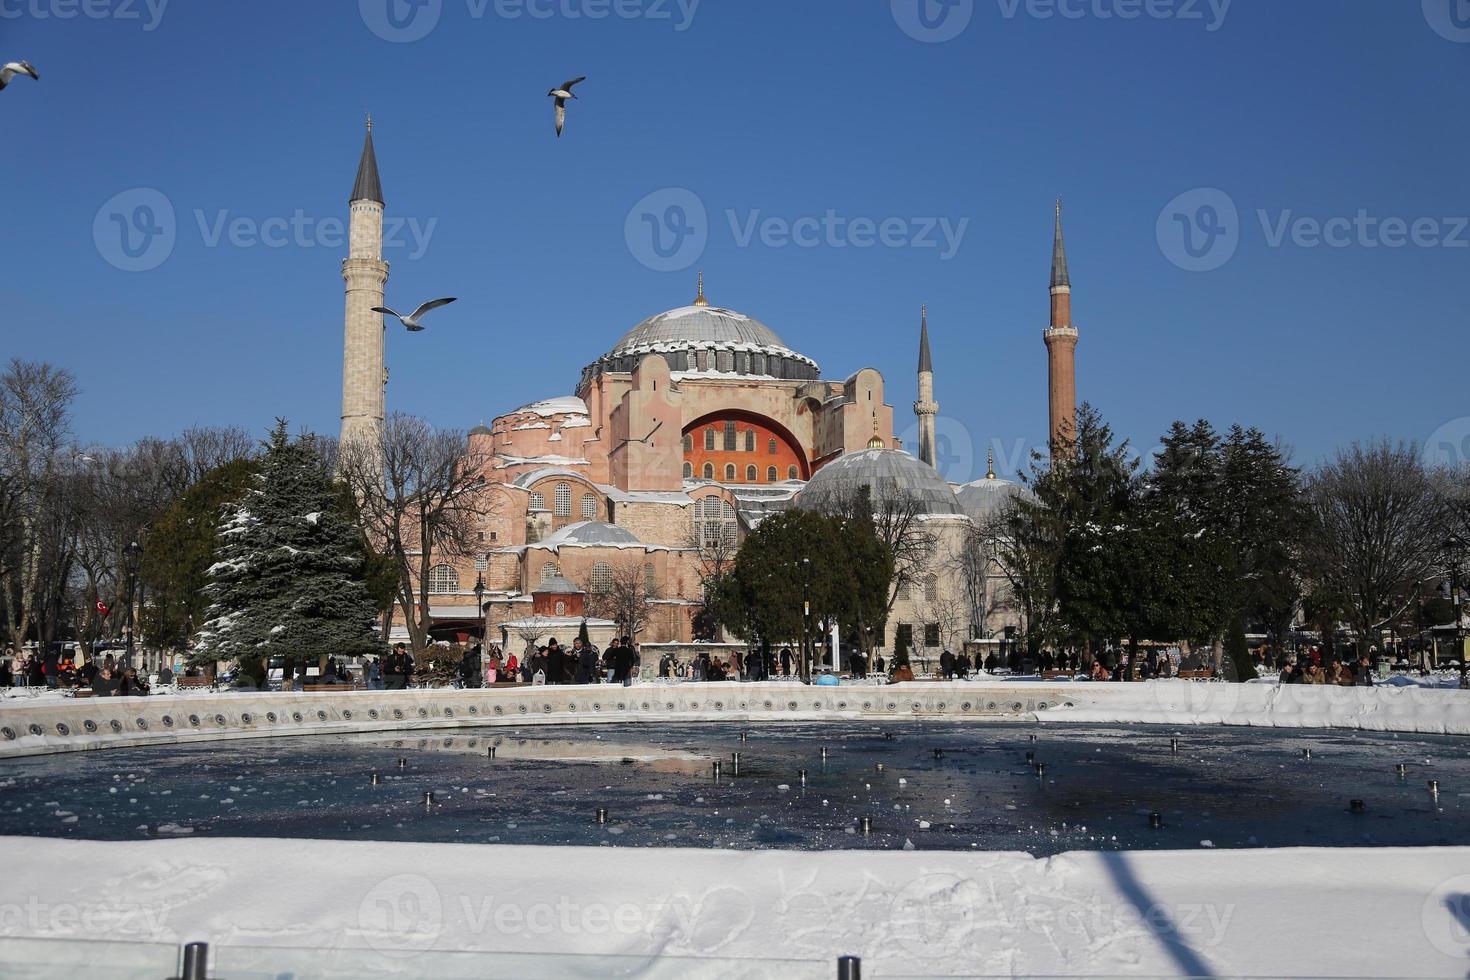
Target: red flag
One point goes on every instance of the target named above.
(101, 609)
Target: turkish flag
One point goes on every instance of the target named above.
(101, 609)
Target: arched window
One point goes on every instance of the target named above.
(538, 502)
(563, 500)
(714, 522)
(750, 474)
(760, 364)
(750, 440)
(650, 580)
(688, 470)
(602, 578)
(589, 507)
(729, 472)
(688, 443)
(709, 471)
(730, 444)
(443, 580)
(709, 439)
(725, 361)
(792, 473)
(771, 448)
(549, 571)
(931, 588)
(561, 608)
(904, 592)
(771, 475)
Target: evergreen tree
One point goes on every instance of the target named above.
(289, 574)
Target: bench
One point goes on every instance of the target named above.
(1054, 674)
(83, 692)
(1196, 675)
(317, 688)
(192, 681)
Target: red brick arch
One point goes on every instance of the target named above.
(788, 449)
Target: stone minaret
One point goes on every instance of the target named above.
(364, 375)
(926, 407)
(1061, 346)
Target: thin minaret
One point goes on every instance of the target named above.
(1061, 347)
(364, 374)
(926, 407)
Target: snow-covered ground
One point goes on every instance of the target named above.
(1300, 912)
(1403, 706)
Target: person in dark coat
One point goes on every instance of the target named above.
(623, 665)
(556, 663)
(131, 685)
(586, 658)
(946, 665)
(396, 669)
(785, 661)
(104, 685)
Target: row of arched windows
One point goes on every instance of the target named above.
(714, 522)
(562, 502)
(752, 474)
(731, 442)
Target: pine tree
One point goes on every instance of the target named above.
(288, 579)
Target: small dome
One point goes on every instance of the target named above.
(889, 473)
(557, 585)
(481, 430)
(592, 534)
(982, 500)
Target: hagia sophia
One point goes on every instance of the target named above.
(675, 443)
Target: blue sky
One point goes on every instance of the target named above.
(767, 111)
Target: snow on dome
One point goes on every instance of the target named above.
(982, 500)
(568, 405)
(889, 473)
(592, 534)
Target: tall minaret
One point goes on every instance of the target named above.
(926, 407)
(363, 373)
(1061, 346)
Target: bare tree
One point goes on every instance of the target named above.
(1379, 518)
(35, 422)
(422, 496)
(627, 598)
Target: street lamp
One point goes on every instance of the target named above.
(132, 554)
(1454, 552)
(806, 618)
(480, 606)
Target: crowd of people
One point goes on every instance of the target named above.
(57, 670)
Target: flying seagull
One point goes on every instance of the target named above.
(561, 95)
(412, 320)
(17, 68)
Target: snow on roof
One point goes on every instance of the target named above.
(566, 405)
(544, 460)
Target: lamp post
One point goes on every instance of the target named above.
(1454, 552)
(480, 607)
(806, 619)
(131, 556)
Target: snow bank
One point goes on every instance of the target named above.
(1383, 708)
(1238, 913)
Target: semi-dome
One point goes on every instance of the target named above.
(592, 534)
(704, 339)
(982, 500)
(891, 474)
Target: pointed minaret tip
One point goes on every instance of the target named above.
(990, 463)
(1059, 275)
(367, 187)
(926, 362)
(700, 300)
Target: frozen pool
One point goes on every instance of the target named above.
(1221, 788)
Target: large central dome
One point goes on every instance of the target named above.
(704, 340)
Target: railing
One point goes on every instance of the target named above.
(98, 960)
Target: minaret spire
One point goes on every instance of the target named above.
(1061, 347)
(700, 300)
(990, 463)
(926, 407)
(367, 186)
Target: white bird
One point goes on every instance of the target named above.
(412, 320)
(17, 68)
(561, 95)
